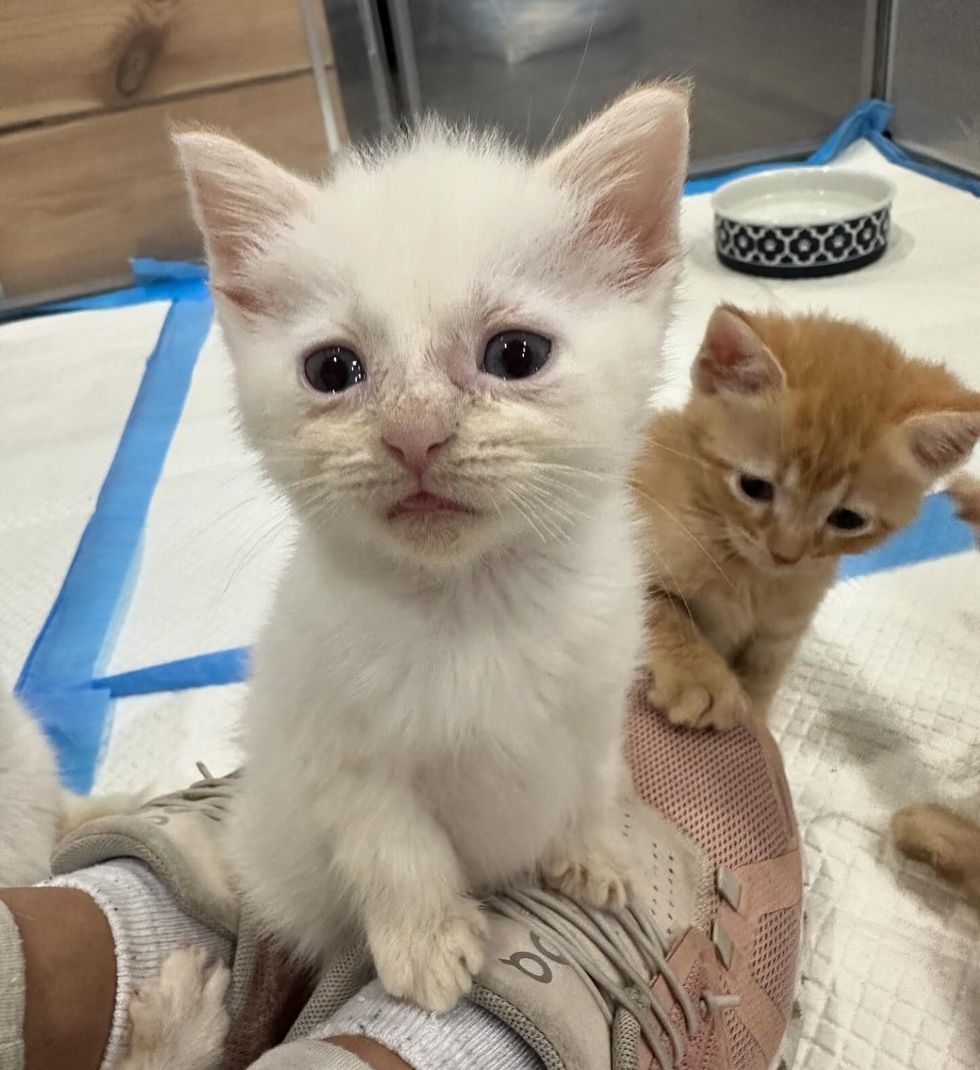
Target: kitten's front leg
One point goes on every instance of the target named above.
(589, 865)
(761, 666)
(425, 934)
(589, 862)
(692, 683)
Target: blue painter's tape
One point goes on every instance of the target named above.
(149, 269)
(156, 280)
(936, 532)
(82, 623)
(74, 720)
(863, 120)
(204, 670)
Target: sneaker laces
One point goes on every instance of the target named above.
(563, 924)
(208, 796)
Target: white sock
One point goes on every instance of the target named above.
(465, 1038)
(147, 925)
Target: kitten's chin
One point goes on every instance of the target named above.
(439, 530)
(439, 536)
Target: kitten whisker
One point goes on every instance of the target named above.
(516, 501)
(256, 542)
(675, 587)
(557, 505)
(534, 507)
(575, 79)
(677, 453)
(687, 531)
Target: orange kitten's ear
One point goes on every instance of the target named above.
(238, 197)
(734, 359)
(630, 160)
(942, 441)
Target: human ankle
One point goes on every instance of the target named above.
(70, 968)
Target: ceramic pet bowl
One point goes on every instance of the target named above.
(802, 222)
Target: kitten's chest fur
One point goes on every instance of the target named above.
(750, 605)
(496, 705)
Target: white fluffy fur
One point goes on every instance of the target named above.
(179, 1020)
(35, 811)
(436, 707)
(30, 796)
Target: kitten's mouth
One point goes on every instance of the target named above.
(424, 504)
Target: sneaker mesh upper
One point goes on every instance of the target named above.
(774, 955)
(717, 789)
(744, 1051)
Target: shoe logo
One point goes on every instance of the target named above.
(534, 966)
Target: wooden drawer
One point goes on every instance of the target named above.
(88, 94)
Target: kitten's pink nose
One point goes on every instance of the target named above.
(415, 444)
(786, 547)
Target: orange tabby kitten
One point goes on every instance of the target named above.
(928, 832)
(804, 438)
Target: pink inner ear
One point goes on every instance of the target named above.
(239, 197)
(630, 161)
(734, 358)
(941, 441)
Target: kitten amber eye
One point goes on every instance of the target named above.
(333, 369)
(516, 354)
(759, 490)
(846, 520)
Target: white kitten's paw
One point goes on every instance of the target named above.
(179, 1018)
(703, 694)
(595, 873)
(431, 962)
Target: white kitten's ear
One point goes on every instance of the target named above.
(630, 160)
(734, 359)
(238, 197)
(941, 441)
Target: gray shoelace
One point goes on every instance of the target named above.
(209, 796)
(570, 927)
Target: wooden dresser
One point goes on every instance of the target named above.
(89, 90)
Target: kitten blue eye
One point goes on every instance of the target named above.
(332, 369)
(516, 354)
(759, 490)
(846, 520)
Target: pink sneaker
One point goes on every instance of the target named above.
(701, 973)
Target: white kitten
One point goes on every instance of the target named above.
(30, 796)
(443, 355)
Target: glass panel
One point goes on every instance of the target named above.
(935, 80)
(773, 76)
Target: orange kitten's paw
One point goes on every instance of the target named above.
(947, 841)
(594, 873)
(703, 695)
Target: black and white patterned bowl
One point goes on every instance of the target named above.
(802, 222)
